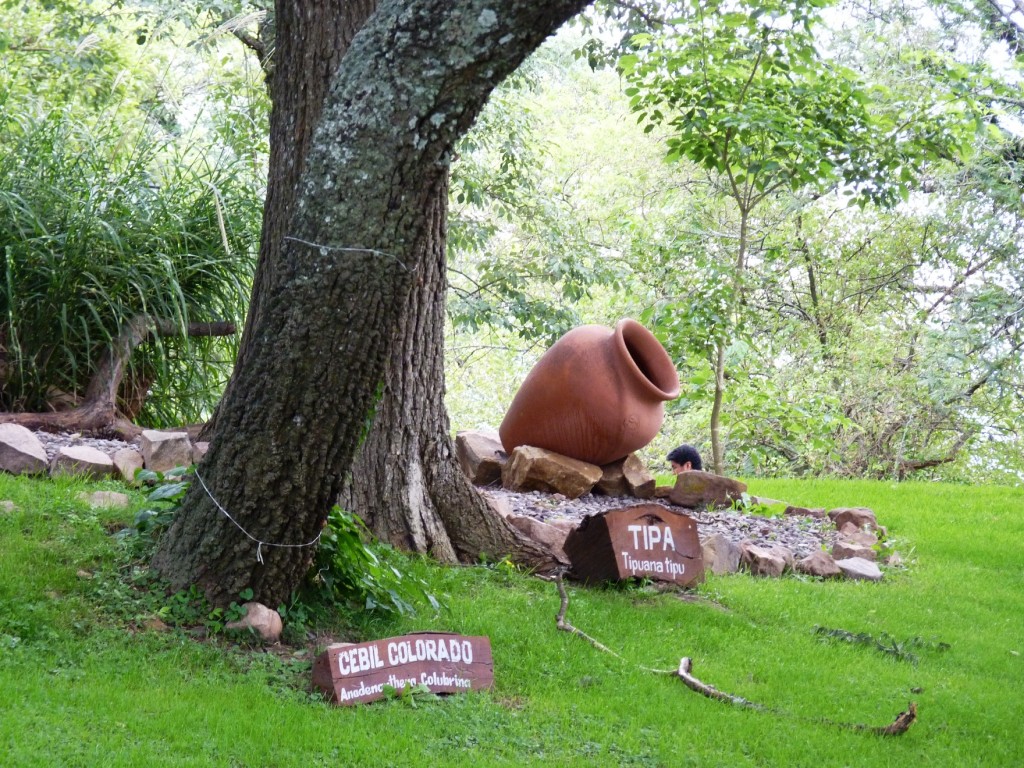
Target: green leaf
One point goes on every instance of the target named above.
(169, 491)
(628, 63)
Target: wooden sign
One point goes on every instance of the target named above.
(644, 541)
(355, 673)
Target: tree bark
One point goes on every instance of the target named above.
(288, 428)
(311, 39)
(717, 445)
(717, 450)
(406, 483)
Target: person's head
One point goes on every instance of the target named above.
(683, 459)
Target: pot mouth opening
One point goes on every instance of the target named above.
(648, 358)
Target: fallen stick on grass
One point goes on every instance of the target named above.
(898, 726)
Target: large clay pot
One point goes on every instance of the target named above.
(597, 395)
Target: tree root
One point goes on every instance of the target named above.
(98, 411)
(899, 725)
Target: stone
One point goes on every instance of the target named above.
(105, 499)
(782, 552)
(820, 564)
(705, 489)
(536, 469)
(895, 560)
(639, 479)
(498, 504)
(82, 460)
(818, 513)
(859, 516)
(21, 453)
(721, 556)
(848, 529)
(7, 506)
(564, 523)
(846, 549)
(662, 491)
(550, 537)
(859, 568)
(127, 461)
(480, 455)
(163, 451)
(762, 561)
(199, 451)
(613, 480)
(153, 624)
(260, 620)
(626, 477)
(863, 538)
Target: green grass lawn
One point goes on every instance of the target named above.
(82, 687)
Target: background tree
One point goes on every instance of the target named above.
(748, 97)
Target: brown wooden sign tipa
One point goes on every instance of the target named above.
(643, 541)
(355, 673)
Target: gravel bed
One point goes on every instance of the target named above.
(801, 535)
(54, 442)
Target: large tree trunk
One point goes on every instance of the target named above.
(310, 40)
(405, 482)
(288, 428)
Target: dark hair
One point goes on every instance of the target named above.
(686, 453)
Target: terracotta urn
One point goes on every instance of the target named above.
(596, 395)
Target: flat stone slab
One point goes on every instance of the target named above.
(843, 550)
(859, 516)
(263, 621)
(705, 489)
(105, 499)
(550, 537)
(818, 564)
(82, 460)
(721, 556)
(537, 469)
(626, 477)
(480, 455)
(859, 568)
(763, 561)
(818, 513)
(127, 461)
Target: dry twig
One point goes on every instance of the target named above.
(898, 726)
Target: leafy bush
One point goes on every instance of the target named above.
(351, 571)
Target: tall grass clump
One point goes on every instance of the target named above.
(101, 220)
